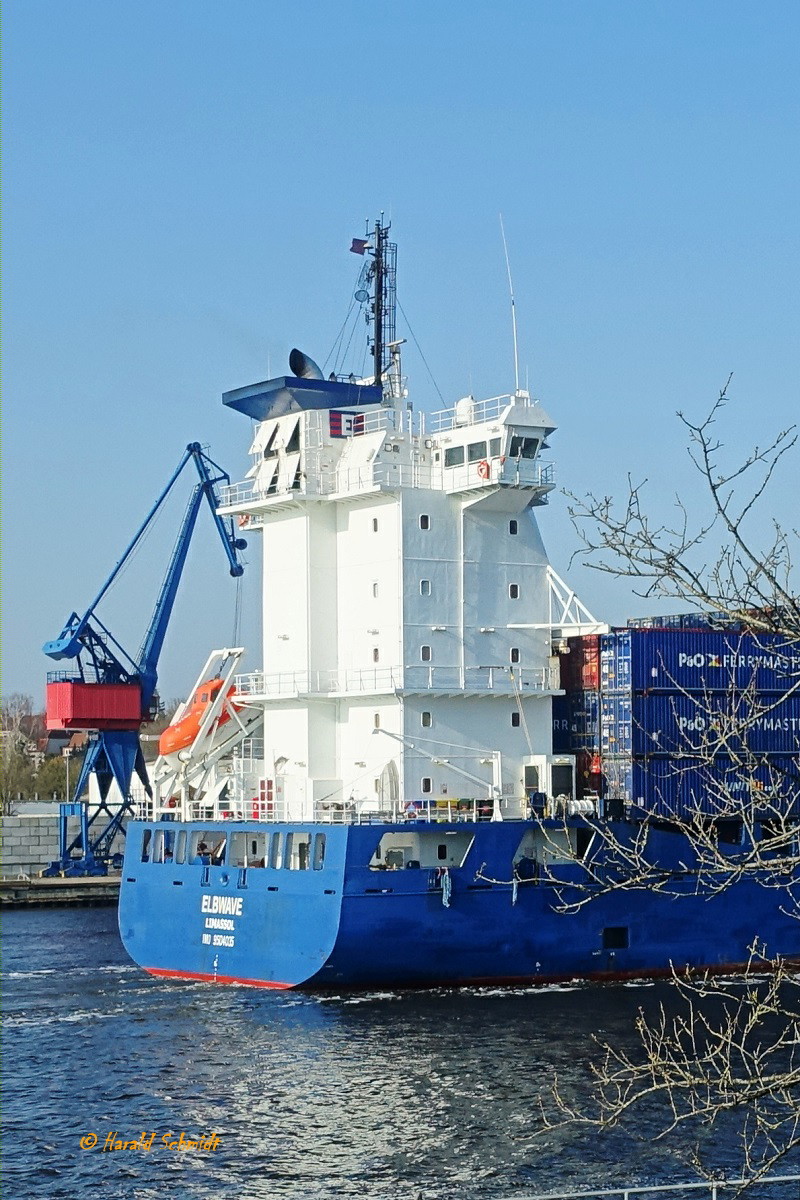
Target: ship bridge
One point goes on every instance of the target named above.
(326, 453)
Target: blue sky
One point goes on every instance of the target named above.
(182, 181)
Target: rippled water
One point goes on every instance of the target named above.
(389, 1094)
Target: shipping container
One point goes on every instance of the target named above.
(711, 722)
(678, 787)
(712, 620)
(580, 663)
(562, 724)
(576, 722)
(78, 705)
(672, 660)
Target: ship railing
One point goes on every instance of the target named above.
(329, 481)
(421, 677)
(350, 812)
(509, 472)
(467, 412)
(708, 1189)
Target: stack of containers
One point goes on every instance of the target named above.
(576, 716)
(680, 709)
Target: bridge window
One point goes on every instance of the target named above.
(454, 457)
(523, 447)
(476, 451)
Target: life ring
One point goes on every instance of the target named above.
(172, 802)
(484, 470)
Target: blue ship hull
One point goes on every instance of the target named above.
(348, 925)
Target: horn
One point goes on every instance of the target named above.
(303, 366)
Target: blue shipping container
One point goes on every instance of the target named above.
(668, 787)
(576, 723)
(714, 722)
(684, 660)
(562, 725)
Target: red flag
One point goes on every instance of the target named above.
(359, 246)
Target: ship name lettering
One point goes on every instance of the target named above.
(230, 906)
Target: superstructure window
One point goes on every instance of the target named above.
(424, 521)
(513, 527)
(427, 785)
(426, 720)
(374, 524)
(275, 857)
(515, 720)
(376, 654)
(494, 447)
(376, 720)
(513, 591)
(513, 654)
(293, 444)
(476, 451)
(454, 457)
(424, 587)
(425, 653)
(375, 591)
(523, 447)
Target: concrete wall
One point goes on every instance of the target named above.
(27, 844)
(30, 843)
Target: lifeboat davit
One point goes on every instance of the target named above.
(182, 733)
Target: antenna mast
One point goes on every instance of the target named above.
(384, 298)
(513, 309)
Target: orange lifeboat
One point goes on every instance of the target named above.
(182, 733)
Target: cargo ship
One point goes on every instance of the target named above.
(413, 792)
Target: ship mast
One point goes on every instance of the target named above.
(384, 273)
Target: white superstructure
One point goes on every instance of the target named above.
(409, 608)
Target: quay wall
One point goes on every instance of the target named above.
(28, 844)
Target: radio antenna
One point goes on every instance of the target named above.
(513, 309)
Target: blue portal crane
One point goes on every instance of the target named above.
(111, 693)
